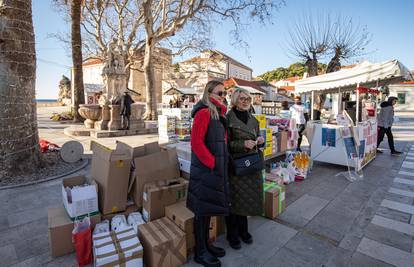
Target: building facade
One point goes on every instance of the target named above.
(92, 75)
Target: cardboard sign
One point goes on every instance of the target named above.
(110, 169)
(157, 195)
(164, 243)
(274, 198)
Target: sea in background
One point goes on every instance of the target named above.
(46, 100)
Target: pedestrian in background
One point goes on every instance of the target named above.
(385, 121)
(298, 113)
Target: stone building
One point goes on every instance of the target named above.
(195, 72)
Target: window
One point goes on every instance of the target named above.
(401, 98)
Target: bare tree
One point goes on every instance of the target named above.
(310, 40)
(165, 18)
(315, 37)
(19, 140)
(347, 41)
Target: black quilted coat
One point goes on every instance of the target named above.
(208, 188)
(246, 192)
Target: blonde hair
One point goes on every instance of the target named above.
(206, 98)
(236, 94)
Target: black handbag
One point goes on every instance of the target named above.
(248, 164)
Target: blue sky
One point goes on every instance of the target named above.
(391, 24)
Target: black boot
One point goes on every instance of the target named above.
(232, 231)
(243, 230)
(202, 256)
(215, 251)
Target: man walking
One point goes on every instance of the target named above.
(385, 121)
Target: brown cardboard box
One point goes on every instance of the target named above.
(110, 169)
(60, 231)
(164, 243)
(274, 201)
(282, 141)
(159, 194)
(217, 227)
(135, 152)
(184, 219)
(158, 166)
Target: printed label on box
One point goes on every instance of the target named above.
(145, 196)
(282, 196)
(145, 215)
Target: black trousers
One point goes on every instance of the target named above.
(381, 132)
(301, 129)
(236, 225)
(201, 233)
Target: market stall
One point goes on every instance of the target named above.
(346, 133)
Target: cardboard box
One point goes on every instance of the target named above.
(262, 120)
(157, 195)
(79, 201)
(110, 169)
(118, 248)
(269, 135)
(275, 202)
(135, 152)
(158, 166)
(185, 165)
(217, 227)
(164, 243)
(282, 141)
(184, 219)
(60, 229)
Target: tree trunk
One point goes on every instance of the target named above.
(151, 103)
(79, 96)
(19, 139)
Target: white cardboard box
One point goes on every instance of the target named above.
(105, 252)
(81, 200)
(185, 165)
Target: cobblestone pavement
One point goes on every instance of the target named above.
(329, 221)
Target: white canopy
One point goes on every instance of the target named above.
(251, 90)
(365, 74)
(180, 91)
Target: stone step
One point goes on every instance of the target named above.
(386, 253)
(398, 206)
(401, 192)
(393, 225)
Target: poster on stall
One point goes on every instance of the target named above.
(361, 149)
(328, 137)
(350, 147)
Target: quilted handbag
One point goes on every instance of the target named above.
(248, 164)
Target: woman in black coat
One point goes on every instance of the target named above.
(246, 191)
(208, 187)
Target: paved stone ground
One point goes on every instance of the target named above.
(328, 222)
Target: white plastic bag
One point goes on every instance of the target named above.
(134, 220)
(118, 223)
(102, 227)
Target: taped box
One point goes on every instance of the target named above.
(118, 248)
(184, 219)
(275, 202)
(164, 243)
(80, 196)
(157, 195)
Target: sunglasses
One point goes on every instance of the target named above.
(245, 99)
(221, 93)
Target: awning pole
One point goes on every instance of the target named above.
(357, 106)
(311, 106)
